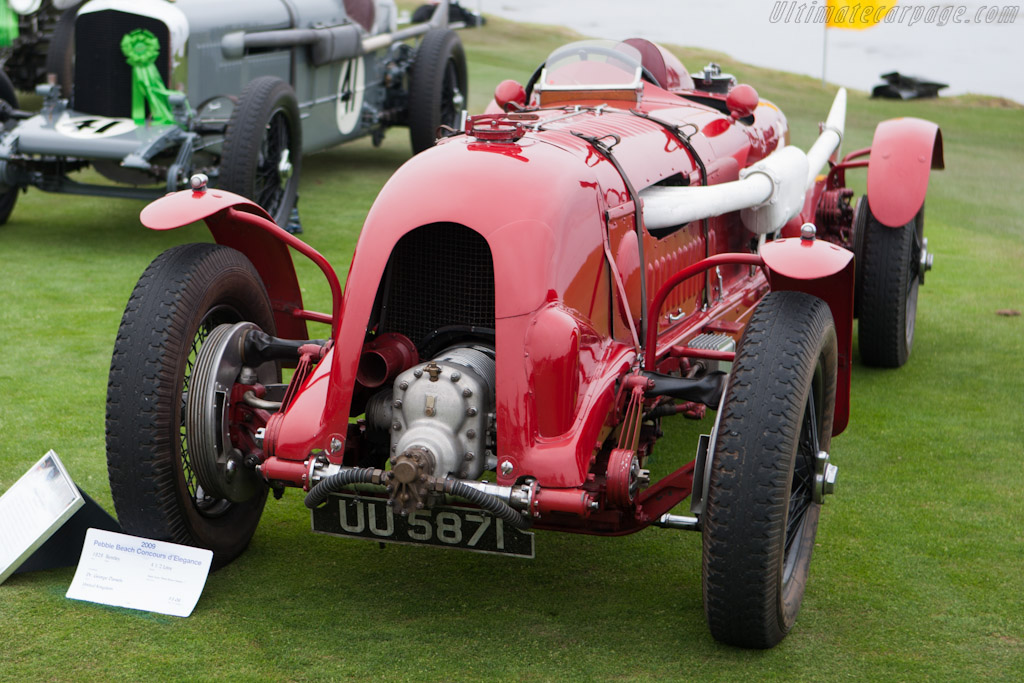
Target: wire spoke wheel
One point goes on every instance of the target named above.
(438, 87)
(186, 293)
(913, 278)
(205, 505)
(273, 170)
(762, 507)
(801, 497)
(263, 147)
(452, 99)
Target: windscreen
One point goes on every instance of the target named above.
(592, 64)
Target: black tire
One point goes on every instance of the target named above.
(7, 90)
(9, 196)
(60, 55)
(438, 87)
(889, 283)
(761, 517)
(181, 297)
(264, 125)
(860, 214)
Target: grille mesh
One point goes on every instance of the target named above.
(103, 79)
(439, 275)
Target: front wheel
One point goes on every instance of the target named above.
(262, 153)
(181, 298)
(438, 87)
(769, 471)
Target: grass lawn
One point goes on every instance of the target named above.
(919, 571)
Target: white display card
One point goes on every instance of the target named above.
(33, 509)
(128, 571)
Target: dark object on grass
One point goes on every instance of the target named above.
(900, 87)
(64, 548)
(455, 12)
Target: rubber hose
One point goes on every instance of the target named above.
(496, 506)
(336, 482)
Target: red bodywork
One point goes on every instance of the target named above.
(904, 151)
(551, 191)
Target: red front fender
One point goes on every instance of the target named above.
(231, 219)
(178, 209)
(903, 152)
(823, 270)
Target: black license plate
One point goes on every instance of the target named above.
(445, 527)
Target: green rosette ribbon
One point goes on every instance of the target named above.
(8, 25)
(141, 48)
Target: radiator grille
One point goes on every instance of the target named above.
(438, 275)
(103, 79)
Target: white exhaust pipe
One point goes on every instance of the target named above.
(769, 193)
(665, 207)
(829, 140)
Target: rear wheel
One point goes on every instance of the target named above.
(184, 295)
(263, 147)
(890, 276)
(438, 87)
(769, 471)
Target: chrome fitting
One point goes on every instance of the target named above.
(667, 521)
(824, 477)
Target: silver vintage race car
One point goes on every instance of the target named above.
(162, 90)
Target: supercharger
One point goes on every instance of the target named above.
(442, 417)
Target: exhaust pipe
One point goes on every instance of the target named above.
(830, 139)
(330, 44)
(769, 193)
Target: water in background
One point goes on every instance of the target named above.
(986, 58)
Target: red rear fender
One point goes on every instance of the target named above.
(902, 154)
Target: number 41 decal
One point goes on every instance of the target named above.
(90, 127)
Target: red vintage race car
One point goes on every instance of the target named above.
(613, 244)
